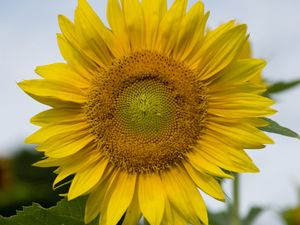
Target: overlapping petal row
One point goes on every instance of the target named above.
(235, 109)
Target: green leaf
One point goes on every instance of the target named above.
(2, 221)
(281, 86)
(220, 218)
(274, 127)
(64, 213)
(252, 215)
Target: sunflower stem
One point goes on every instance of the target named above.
(235, 213)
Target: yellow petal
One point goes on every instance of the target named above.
(257, 78)
(258, 122)
(134, 19)
(178, 219)
(119, 198)
(58, 115)
(196, 201)
(240, 135)
(240, 71)
(48, 131)
(76, 40)
(86, 179)
(133, 213)
(246, 51)
(116, 20)
(73, 164)
(237, 88)
(97, 38)
(225, 156)
(63, 72)
(191, 53)
(94, 202)
(65, 144)
(239, 113)
(169, 214)
(202, 165)
(154, 10)
(239, 99)
(206, 183)
(151, 197)
(75, 59)
(240, 105)
(210, 38)
(185, 197)
(169, 27)
(191, 31)
(49, 162)
(215, 34)
(98, 30)
(76, 158)
(53, 89)
(222, 52)
(55, 102)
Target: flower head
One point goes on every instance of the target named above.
(149, 110)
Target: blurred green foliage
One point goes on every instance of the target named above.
(21, 183)
(292, 216)
(223, 217)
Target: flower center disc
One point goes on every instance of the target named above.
(146, 111)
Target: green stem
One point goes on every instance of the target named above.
(235, 214)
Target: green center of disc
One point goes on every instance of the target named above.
(146, 108)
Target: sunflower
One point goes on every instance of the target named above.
(149, 110)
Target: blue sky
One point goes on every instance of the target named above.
(28, 39)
